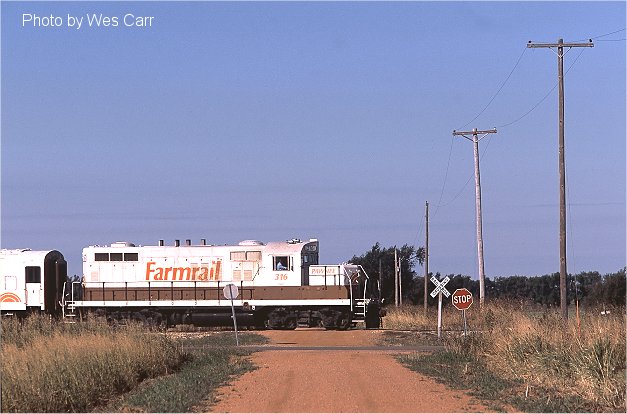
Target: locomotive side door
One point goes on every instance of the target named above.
(33, 285)
(309, 257)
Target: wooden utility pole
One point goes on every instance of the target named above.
(560, 45)
(395, 280)
(400, 282)
(380, 277)
(475, 139)
(426, 252)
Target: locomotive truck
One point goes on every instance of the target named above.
(281, 285)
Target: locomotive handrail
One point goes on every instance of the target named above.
(257, 273)
(62, 301)
(70, 304)
(365, 287)
(367, 278)
(350, 284)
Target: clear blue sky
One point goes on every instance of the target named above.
(253, 120)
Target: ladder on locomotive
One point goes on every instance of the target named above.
(359, 305)
(68, 307)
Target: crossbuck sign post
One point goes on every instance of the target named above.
(440, 290)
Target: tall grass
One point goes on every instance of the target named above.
(413, 318)
(586, 361)
(215, 360)
(51, 367)
(583, 366)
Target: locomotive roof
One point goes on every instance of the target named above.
(31, 254)
(293, 245)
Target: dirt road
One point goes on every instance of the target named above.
(300, 381)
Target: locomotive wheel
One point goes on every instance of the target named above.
(282, 319)
(331, 319)
(344, 321)
(290, 324)
(328, 323)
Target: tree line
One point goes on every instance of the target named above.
(590, 288)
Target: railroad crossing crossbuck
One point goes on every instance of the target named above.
(439, 286)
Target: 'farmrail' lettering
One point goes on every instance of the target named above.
(204, 272)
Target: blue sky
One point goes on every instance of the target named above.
(255, 120)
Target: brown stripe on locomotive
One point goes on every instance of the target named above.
(215, 293)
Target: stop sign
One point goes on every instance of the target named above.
(462, 299)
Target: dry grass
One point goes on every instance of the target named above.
(582, 366)
(414, 318)
(545, 354)
(538, 351)
(49, 367)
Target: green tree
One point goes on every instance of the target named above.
(408, 256)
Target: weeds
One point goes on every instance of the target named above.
(214, 359)
(52, 367)
(533, 361)
(49, 367)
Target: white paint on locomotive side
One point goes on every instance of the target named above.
(250, 262)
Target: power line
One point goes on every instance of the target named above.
(439, 204)
(497, 92)
(543, 98)
(422, 222)
(603, 35)
(448, 163)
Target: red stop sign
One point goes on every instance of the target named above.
(462, 299)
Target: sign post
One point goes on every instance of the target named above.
(440, 290)
(462, 299)
(230, 292)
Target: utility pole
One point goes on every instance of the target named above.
(400, 282)
(475, 140)
(426, 252)
(380, 277)
(560, 45)
(395, 280)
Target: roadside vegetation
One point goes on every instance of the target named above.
(54, 367)
(524, 357)
(213, 360)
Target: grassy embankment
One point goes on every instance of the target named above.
(52, 367)
(524, 359)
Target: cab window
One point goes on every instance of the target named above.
(281, 263)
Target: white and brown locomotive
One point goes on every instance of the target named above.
(281, 285)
